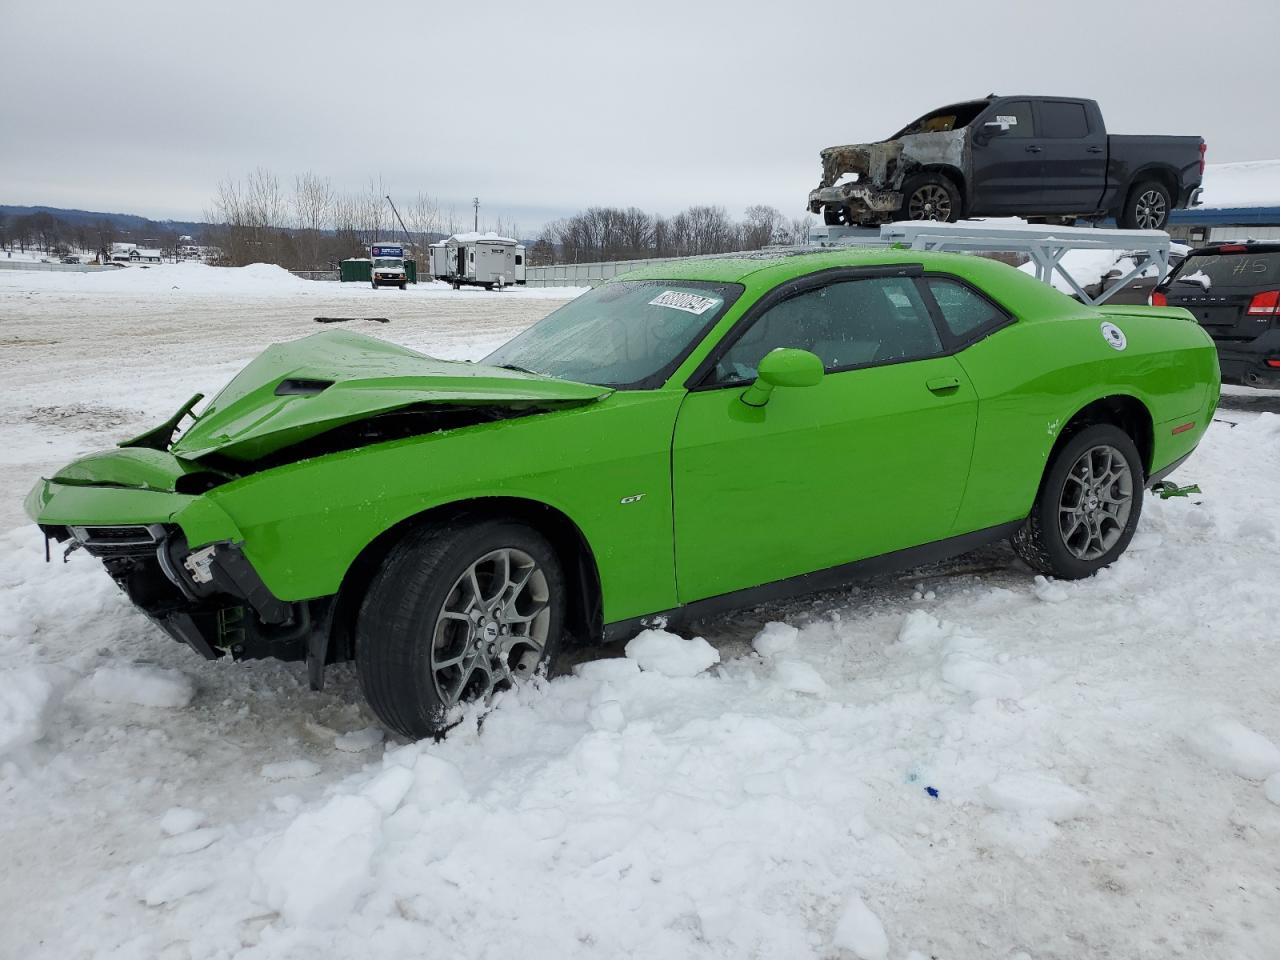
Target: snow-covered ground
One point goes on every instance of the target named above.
(961, 762)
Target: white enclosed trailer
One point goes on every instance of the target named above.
(477, 259)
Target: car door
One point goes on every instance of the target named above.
(872, 459)
(1006, 160)
(1073, 157)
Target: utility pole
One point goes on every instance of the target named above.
(475, 202)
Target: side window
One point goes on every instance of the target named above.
(847, 324)
(964, 312)
(1063, 121)
(1017, 116)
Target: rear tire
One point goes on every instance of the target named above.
(1146, 208)
(455, 613)
(1088, 505)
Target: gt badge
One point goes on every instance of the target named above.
(1114, 336)
(634, 498)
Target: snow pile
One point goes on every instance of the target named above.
(671, 655)
(144, 686)
(1252, 183)
(187, 277)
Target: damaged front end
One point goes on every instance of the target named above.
(862, 182)
(153, 510)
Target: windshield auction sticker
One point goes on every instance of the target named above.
(688, 302)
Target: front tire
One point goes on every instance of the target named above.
(454, 614)
(1147, 207)
(1088, 506)
(837, 216)
(930, 196)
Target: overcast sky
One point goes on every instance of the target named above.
(543, 108)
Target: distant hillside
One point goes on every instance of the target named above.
(122, 222)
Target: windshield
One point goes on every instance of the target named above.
(1231, 270)
(382, 262)
(945, 118)
(626, 334)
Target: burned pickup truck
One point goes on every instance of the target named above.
(1035, 157)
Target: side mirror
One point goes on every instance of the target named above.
(783, 367)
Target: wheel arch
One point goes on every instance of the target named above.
(1118, 409)
(584, 617)
(954, 174)
(1165, 175)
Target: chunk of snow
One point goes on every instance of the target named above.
(920, 629)
(1049, 591)
(979, 677)
(389, 788)
(26, 699)
(178, 820)
(357, 740)
(774, 638)
(176, 885)
(142, 685)
(1271, 788)
(290, 770)
(860, 931)
(658, 651)
(799, 676)
(317, 871)
(1230, 745)
(1032, 795)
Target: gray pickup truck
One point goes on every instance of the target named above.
(1047, 158)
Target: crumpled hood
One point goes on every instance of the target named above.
(297, 390)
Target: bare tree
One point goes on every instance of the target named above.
(312, 211)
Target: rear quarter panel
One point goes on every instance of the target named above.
(1033, 377)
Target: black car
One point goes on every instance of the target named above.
(1233, 290)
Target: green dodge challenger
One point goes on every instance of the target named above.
(692, 437)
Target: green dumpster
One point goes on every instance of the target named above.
(356, 269)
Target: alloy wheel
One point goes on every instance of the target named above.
(930, 202)
(1151, 210)
(492, 628)
(1097, 497)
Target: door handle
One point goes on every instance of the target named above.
(943, 384)
(1094, 149)
(1032, 148)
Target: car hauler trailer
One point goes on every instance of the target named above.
(477, 259)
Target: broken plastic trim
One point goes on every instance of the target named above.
(160, 437)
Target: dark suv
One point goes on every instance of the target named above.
(1233, 289)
